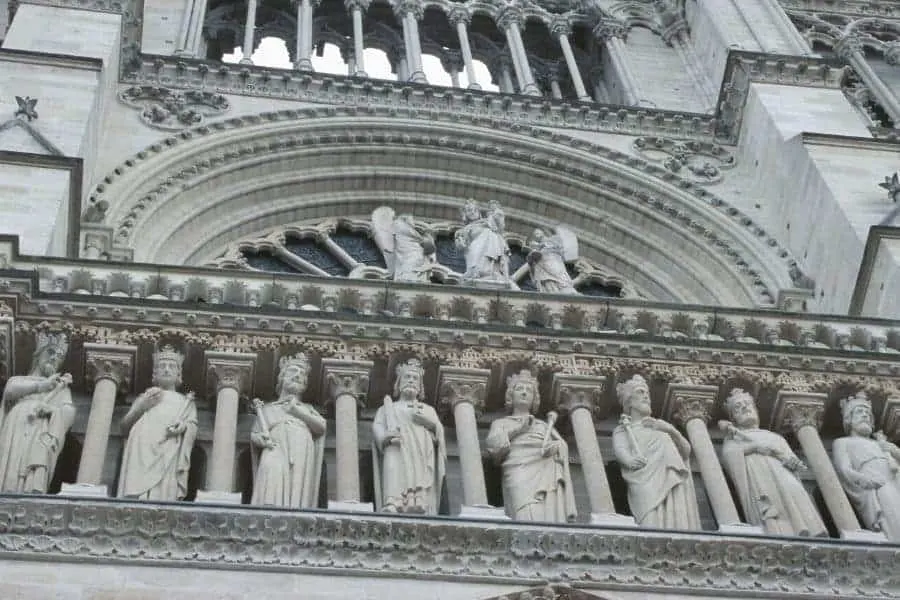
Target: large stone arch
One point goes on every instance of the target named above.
(187, 197)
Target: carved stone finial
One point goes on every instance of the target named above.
(26, 107)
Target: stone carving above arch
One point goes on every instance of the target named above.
(700, 162)
(551, 592)
(162, 108)
(664, 234)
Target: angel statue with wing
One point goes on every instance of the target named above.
(547, 260)
(408, 254)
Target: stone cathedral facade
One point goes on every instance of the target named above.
(457, 300)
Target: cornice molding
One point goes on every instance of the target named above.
(629, 559)
(862, 8)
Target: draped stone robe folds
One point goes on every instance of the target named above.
(879, 508)
(30, 445)
(288, 474)
(770, 494)
(154, 465)
(411, 474)
(660, 494)
(535, 487)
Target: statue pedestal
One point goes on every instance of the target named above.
(742, 529)
(612, 520)
(482, 511)
(487, 284)
(84, 490)
(863, 535)
(211, 497)
(350, 506)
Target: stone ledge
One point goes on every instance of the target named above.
(52, 528)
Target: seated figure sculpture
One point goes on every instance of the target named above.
(869, 468)
(655, 461)
(537, 485)
(291, 437)
(38, 412)
(161, 426)
(763, 469)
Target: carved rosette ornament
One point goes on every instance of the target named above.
(700, 162)
(162, 108)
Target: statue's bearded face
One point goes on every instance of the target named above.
(293, 380)
(166, 374)
(743, 411)
(861, 420)
(639, 402)
(408, 383)
(49, 361)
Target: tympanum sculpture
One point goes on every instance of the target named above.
(655, 462)
(537, 485)
(290, 436)
(161, 426)
(868, 465)
(482, 238)
(38, 412)
(408, 253)
(409, 444)
(763, 469)
(547, 260)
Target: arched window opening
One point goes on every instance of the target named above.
(271, 52)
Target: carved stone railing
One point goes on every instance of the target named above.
(589, 558)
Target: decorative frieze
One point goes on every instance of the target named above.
(162, 108)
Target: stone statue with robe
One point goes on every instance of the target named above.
(290, 436)
(869, 468)
(161, 427)
(655, 462)
(764, 469)
(482, 237)
(537, 484)
(408, 253)
(38, 412)
(410, 447)
(547, 260)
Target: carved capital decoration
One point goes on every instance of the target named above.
(232, 370)
(848, 47)
(560, 27)
(463, 384)
(459, 14)
(685, 402)
(795, 410)
(409, 7)
(352, 5)
(890, 415)
(891, 51)
(346, 378)
(510, 17)
(608, 29)
(110, 361)
(572, 392)
(162, 108)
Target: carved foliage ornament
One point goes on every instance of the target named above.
(162, 108)
(701, 162)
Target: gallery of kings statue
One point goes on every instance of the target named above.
(457, 300)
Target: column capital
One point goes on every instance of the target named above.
(409, 7)
(463, 384)
(459, 14)
(346, 378)
(608, 29)
(891, 51)
(560, 26)
(362, 5)
(687, 401)
(109, 361)
(510, 16)
(848, 46)
(452, 61)
(794, 410)
(571, 392)
(890, 416)
(231, 370)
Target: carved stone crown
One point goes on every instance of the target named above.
(852, 402)
(47, 340)
(523, 376)
(168, 352)
(626, 389)
(299, 360)
(413, 364)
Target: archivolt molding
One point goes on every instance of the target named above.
(199, 173)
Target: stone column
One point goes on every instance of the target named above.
(249, 33)
(561, 29)
(850, 50)
(612, 33)
(346, 384)
(801, 412)
(232, 374)
(109, 367)
(503, 76)
(304, 35)
(452, 62)
(461, 18)
(690, 406)
(410, 12)
(463, 391)
(509, 21)
(577, 396)
(356, 8)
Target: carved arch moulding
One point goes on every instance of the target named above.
(186, 198)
